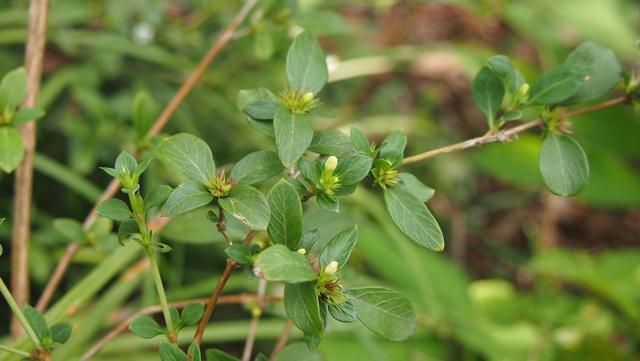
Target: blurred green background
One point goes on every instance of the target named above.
(525, 275)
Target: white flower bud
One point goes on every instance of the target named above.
(331, 164)
(524, 89)
(302, 251)
(331, 268)
(307, 97)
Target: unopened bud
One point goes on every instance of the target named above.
(307, 97)
(302, 251)
(331, 163)
(524, 89)
(331, 268)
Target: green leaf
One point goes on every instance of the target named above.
(192, 313)
(293, 135)
(280, 264)
(194, 351)
(186, 197)
(60, 332)
(126, 230)
(261, 110)
(157, 196)
(248, 205)
(563, 165)
(604, 71)
(413, 218)
(114, 209)
(331, 142)
(557, 84)
(13, 88)
(38, 323)
(191, 155)
(343, 312)
(26, 115)
(309, 240)
(393, 144)
(488, 92)
(144, 112)
(11, 149)
(298, 351)
(384, 311)
(70, 229)
(248, 96)
(175, 318)
(328, 203)
(219, 355)
(306, 64)
(416, 187)
(302, 307)
(353, 168)
(256, 167)
(360, 141)
(285, 225)
(340, 247)
(146, 327)
(239, 253)
(512, 114)
(169, 352)
(261, 357)
(126, 161)
(503, 68)
(309, 170)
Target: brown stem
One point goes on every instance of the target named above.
(122, 327)
(282, 341)
(255, 319)
(507, 134)
(34, 57)
(222, 225)
(159, 124)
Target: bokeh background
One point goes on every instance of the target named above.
(525, 275)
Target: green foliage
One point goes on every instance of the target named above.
(340, 247)
(50, 338)
(306, 64)
(239, 253)
(11, 149)
(114, 209)
(557, 85)
(71, 229)
(280, 264)
(144, 113)
(191, 155)
(248, 205)
(603, 71)
(219, 355)
(488, 92)
(285, 225)
(563, 165)
(146, 327)
(384, 311)
(294, 133)
(298, 351)
(170, 352)
(303, 308)
(256, 167)
(186, 197)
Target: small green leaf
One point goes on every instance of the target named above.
(353, 168)
(261, 357)
(175, 318)
(194, 351)
(13, 88)
(413, 218)
(556, 85)
(144, 112)
(126, 161)
(511, 77)
(510, 115)
(488, 92)
(309, 171)
(328, 203)
(186, 197)
(261, 110)
(340, 247)
(170, 352)
(306, 64)
(416, 187)
(360, 141)
(302, 307)
(126, 230)
(114, 209)
(248, 96)
(70, 229)
(11, 149)
(192, 313)
(26, 115)
(604, 71)
(146, 327)
(393, 144)
(60, 332)
(219, 355)
(563, 165)
(280, 264)
(191, 155)
(298, 351)
(331, 142)
(285, 225)
(343, 312)
(239, 253)
(248, 205)
(309, 240)
(256, 167)
(384, 311)
(293, 135)
(38, 323)
(157, 196)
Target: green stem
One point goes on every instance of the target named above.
(160, 288)
(19, 315)
(14, 351)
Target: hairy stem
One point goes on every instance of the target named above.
(17, 312)
(157, 279)
(159, 124)
(34, 56)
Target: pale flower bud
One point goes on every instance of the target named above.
(331, 268)
(331, 164)
(302, 251)
(524, 89)
(307, 97)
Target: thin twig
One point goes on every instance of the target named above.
(122, 327)
(159, 124)
(507, 134)
(282, 341)
(34, 56)
(256, 313)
